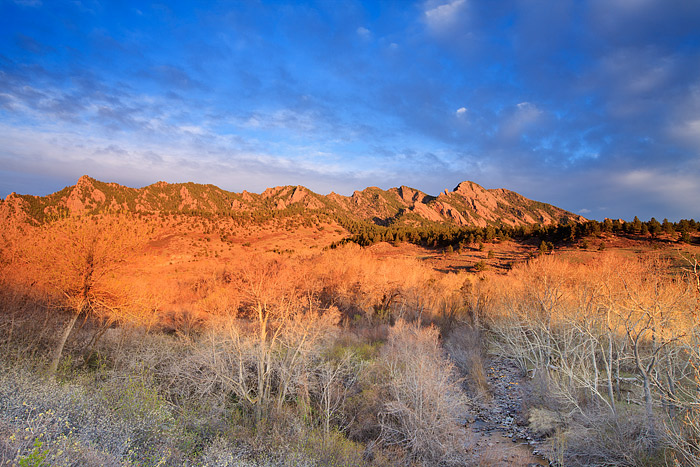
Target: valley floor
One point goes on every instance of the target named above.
(192, 349)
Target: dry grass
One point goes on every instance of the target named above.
(225, 354)
(584, 330)
(465, 347)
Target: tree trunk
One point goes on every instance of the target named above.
(649, 405)
(618, 389)
(58, 350)
(671, 388)
(596, 373)
(609, 371)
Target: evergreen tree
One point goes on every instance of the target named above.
(685, 236)
(655, 227)
(667, 227)
(608, 225)
(636, 227)
(490, 234)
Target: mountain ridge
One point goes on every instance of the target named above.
(468, 204)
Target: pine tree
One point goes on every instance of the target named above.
(636, 225)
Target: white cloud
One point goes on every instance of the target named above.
(461, 111)
(634, 72)
(689, 133)
(364, 33)
(224, 160)
(193, 129)
(637, 178)
(524, 116)
(679, 189)
(444, 15)
(584, 211)
(526, 107)
(287, 119)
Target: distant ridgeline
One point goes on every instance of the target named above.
(468, 214)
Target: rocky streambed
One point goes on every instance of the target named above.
(500, 436)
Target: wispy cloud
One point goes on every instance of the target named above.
(444, 15)
(581, 104)
(364, 33)
(522, 117)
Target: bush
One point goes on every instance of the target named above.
(600, 439)
(425, 399)
(66, 424)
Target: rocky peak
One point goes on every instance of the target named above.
(468, 188)
(274, 191)
(299, 194)
(407, 194)
(467, 204)
(84, 196)
(247, 197)
(84, 182)
(14, 200)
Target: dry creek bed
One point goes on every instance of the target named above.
(500, 436)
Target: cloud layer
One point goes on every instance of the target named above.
(593, 106)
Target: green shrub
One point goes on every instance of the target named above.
(75, 424)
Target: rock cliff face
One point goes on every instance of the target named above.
(468, 204)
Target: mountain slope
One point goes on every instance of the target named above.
(468, 204)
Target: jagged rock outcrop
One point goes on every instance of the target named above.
(468, 204)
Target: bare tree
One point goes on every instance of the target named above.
(334, 379)
(684, 429)
(264, 357)
(75, 258)
(653, 315)
(692, 272)
(425, 398)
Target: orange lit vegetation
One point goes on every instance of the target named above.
(602, 338)
(197, 349)
(76, 260)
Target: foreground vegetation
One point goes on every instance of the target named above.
(337, 357)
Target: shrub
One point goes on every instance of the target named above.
(65, 424)
(425, 400)
(600, 439)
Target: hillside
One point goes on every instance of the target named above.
(285, 325)
(468, 204)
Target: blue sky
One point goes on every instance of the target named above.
(593, 106)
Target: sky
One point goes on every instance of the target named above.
(593, 106)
